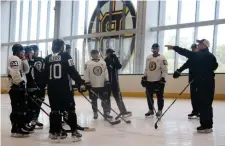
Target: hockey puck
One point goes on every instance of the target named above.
(128, 122)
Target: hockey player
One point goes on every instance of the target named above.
(96, 76)
(59, 69)
(154, 79)
(204, 65)
(68, 49)
(194, 100)
(38, 77)
(31, 88)
(113, 65)
(17, 67)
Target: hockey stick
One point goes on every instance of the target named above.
(128, 122)
(112, 123)
(78, 126)
(156, 126)
(38, 105)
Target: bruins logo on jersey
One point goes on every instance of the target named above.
(152, 65)
(97, 70)
(38, 65)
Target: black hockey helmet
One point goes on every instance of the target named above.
(17, 48)
(35, 48)
(94, 51)
(57, 45)
(109, 51)
(28, 49)
(155, 46)
(193, 46)
(68, 46)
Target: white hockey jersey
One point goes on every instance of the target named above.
(156, 68)
(96, 73)
(17, 69)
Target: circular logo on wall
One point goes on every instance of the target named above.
(152, 65)
(111, 16)
(97, 70)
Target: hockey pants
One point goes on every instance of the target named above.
(62, 102)
(18, 115)
(155, 87)
(104, 97)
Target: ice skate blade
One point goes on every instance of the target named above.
(193, 117)
(205, 131)
(89, 129)
(151, 116)
(39, 127)
(76, 139)
(18, 135)
(126, 116)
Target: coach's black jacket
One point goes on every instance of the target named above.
(113, 65)
(203, 65)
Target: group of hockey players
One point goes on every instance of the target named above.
(30, 75)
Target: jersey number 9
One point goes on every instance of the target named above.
(55, 71)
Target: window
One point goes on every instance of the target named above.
(206, 32)
(222, 9)
(171, 12)
(34, 15)
(169, 38)
(42, 49)
(207, 10)
(25, 20)
(43, 19)
(185, 41)
(17, 20)
(52, 18)
(220, 49)
(188, 11)
(4, 59)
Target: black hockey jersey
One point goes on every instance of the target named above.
(29, 76)
(38, 72)
(59, 69)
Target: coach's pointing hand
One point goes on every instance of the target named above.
(170, 47)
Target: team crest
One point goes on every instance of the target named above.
(97, 70)
(152, 65)
(14, 63)
(38, 65)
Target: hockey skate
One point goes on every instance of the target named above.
(76, 136)
(159, 113)
(95, 115)
(39, 125)
(204, 130)
(127, 114)
(29, 128)
(55, 137)
(107, 116)
(19, 132)
(149, 113)
(193, 116)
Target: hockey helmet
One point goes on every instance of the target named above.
(35, 48)
(17, 48)
(57, 45)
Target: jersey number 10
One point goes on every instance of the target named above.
(55, 71)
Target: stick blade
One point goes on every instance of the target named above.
(156, 126)
(115, 122)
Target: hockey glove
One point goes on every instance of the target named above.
(176, 74)
(144, 81)
(88, 85)
(82, 89)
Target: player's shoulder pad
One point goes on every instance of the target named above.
(149, 57)
(163, 59)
